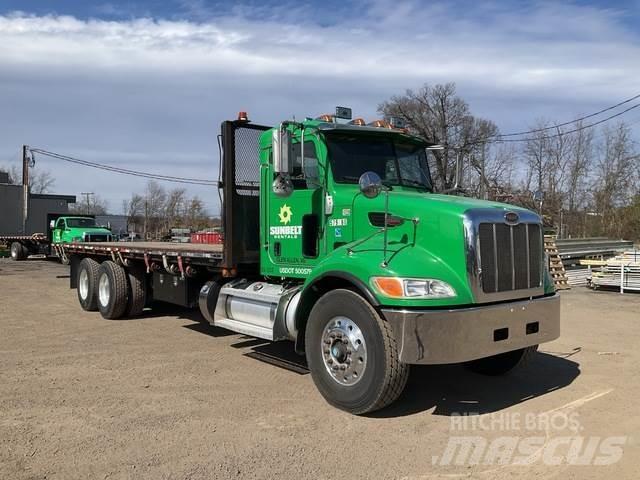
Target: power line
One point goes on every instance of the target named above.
(546, 137)
(124, 171)
(571, 121)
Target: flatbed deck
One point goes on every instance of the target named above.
(210, 254)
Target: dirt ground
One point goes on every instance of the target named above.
(166, 396)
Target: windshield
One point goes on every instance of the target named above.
(81, 222)
(397, 162)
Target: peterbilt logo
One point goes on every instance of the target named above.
(511, 218)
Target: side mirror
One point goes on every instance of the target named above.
(281, 146)
(370, 184)
(52, 224)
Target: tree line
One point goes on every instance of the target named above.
(156, 211)
(585, 181)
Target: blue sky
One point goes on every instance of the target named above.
(146, 84)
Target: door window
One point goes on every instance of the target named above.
(309, 178)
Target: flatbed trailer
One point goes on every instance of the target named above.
(21, 246)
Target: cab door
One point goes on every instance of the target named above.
(61, 225)
(295, 222)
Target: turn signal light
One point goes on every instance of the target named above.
(390, 286)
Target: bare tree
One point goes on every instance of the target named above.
(436, 113)
(95, 205)
(40, 181)
(134, 210)
(175, 207)
(616, 176)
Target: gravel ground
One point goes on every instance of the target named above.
(166, 396)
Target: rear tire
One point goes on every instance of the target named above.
(352, 354)
(18, 251)
(137, 284)
(88, 284)
(112, 290)
(502, 363)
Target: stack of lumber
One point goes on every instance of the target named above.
(556, 267)
(579, 276)
(622, 271)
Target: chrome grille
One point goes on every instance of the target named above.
(504, 260)
(510, 256)
(96, 237)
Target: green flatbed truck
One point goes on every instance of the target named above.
(62, 229)
(335, 239)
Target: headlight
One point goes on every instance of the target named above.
(413, 287)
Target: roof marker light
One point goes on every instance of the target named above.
(359, 122)
(380, 124)
(326, 118)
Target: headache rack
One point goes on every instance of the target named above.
(240, 188)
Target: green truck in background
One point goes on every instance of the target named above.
(62, 229)
(335, 238)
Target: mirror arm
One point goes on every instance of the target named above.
(302, 150)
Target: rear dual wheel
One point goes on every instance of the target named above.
(87, 284)
(18, 251)
(110, 289)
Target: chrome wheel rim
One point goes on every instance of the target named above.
(344, 351)
(104, 291)
(83, 284)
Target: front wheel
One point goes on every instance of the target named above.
(352, 354)
(503, 362)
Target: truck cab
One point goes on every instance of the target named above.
(354, 236)
(78, 229)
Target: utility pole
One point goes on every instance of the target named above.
(87, 195)
(25, 187)
(146, 217)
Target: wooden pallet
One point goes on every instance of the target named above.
(556, 267)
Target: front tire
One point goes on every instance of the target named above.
(352, 354)
(88, 284)
(112, 290)
(502, 363)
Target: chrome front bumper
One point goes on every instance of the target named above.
(460, 335)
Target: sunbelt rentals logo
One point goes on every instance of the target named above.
(285, 214)
(285, 230)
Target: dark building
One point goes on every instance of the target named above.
(40, 207)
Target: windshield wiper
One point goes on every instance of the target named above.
(415, 183)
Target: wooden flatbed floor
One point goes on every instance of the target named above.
(151, 249)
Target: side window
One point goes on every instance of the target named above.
(310, 179)
(62, 224)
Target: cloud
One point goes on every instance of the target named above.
(151, 93)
